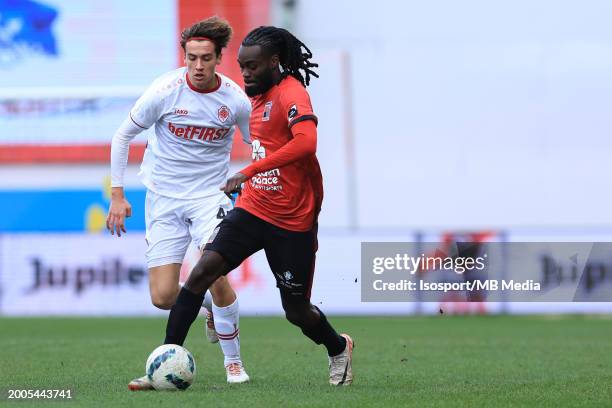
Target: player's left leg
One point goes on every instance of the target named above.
(291, 256)
(205, 216)
(227, 326)
(238, 237)
(314, 324)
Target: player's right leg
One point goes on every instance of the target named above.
(164, 288)
(167, 236)
(164, 285)
(291, 256)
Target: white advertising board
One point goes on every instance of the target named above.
(89, 274)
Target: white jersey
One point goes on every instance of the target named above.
(188, 156)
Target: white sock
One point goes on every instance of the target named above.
(207, 301)
(227, 327)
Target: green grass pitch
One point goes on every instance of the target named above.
(413, 361)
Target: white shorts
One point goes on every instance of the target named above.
(173, 223)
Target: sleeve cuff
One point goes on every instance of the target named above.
(249, 171)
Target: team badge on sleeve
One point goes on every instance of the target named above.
(223, 113)
(293, 111)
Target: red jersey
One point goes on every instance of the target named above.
(290, 195)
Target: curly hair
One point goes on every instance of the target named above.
(214, 28)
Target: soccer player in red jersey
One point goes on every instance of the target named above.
(278, 207)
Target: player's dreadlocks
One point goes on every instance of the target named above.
(288, 48)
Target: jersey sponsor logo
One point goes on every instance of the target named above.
(198, 133)
(266, 112)
(293, 111)
(181, 112)
(223, 113)
(259, 152)
(267, 181)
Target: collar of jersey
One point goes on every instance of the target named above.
(193, 88)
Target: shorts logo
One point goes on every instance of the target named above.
(293, 111)
(221, 213)
(223, 113)
(182, 112)
(284, 280)
(266, 113)
(259, 152)
(213, 235)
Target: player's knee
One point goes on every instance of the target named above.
(208, 269)
(222, 292)
(293, 316)
(163, 300)
(220, 286)
(203, 271)
(295, 313)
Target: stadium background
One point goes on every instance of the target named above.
(475, 116)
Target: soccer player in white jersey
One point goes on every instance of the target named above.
(195, 111)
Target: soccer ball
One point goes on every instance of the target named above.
(170, 367)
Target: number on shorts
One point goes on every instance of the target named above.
(221, 213)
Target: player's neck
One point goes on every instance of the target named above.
(210, 86)
(213, 83)
(276, 76)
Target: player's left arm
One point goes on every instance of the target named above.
(303, 144)
(242, 121)
(302, 123)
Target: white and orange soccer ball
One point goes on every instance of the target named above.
(170, 367)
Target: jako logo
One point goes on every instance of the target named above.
(108, 274)
(181, 112)
(25, 26)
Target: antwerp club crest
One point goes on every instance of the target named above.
(223, 113)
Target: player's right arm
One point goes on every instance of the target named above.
(143, 115)
(120, 207)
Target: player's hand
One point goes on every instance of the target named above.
(120, 208)
(234, 183)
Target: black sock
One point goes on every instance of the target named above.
(324, 333)
(183, 313)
